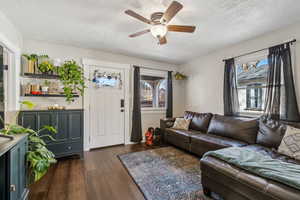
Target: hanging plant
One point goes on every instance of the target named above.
(180, 76)
(71, 76)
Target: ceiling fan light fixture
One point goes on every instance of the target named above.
(159, 30)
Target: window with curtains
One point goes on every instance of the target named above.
(153, 91)
(251, 80)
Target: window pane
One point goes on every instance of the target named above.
(146, 94)
(153, 91)
(251, 82)
(162, 92)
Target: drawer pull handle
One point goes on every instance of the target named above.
(12, 188)
(69, 148)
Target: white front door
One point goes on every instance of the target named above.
(107, 115)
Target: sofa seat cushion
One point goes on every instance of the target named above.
(179, 138)
(200, 121)
(242, 129)
(202, 143)
(241, 181)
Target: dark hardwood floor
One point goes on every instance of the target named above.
(99, 176)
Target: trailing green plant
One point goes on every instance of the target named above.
(32, 57)
(72, 78)
(38, 157)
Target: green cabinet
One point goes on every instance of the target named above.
(13, 168)
(17, 163)
(69, 126)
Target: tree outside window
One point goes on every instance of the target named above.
(153, 91)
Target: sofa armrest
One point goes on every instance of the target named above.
(166, 123)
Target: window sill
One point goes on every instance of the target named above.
(250, 115)
(153, 110)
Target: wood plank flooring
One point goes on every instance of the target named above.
(99, 176)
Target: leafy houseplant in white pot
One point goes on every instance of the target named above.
(45, 87)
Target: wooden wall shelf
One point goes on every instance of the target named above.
(48, 95)
(41, 76)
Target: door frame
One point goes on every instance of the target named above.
(87, 63)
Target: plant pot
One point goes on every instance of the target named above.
(31, 65)
(45, 89)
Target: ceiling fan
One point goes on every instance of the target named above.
(159, 23)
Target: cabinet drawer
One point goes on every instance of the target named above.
(65, 148)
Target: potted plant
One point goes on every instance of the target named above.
(180, 76)
(45, 87)
(71, 76)
(38, 157)
(45, 65)
(32, 59)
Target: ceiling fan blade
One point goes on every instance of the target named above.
(162, 40)
(139, 33)
(177, 28)
(137, 16)
(173, 9)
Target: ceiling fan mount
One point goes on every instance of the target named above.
(156, 17)
(159, 22)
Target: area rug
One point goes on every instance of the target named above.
(165, 174)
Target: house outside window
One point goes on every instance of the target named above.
(153, 91)
(251, 84)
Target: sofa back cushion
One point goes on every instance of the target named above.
(270, 133)
(200, 121)
(236, 128)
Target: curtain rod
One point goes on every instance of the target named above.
(245, 54)
(164, 70)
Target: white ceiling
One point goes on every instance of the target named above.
(102, 24)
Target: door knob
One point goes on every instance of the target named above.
(122, 110)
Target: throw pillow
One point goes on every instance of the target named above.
(182, 124)
(290, 144)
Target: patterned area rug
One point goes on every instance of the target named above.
(165, 174)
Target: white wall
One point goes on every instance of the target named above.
(64, 52)
(11, 40)
(204, 87)
(9, 35)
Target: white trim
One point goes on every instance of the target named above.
(153, 110)
(13, 78)
(89, 63)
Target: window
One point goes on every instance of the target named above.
(251, 84)
(153, 91)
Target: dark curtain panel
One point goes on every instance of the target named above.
(230, 94)
(136, 132)
(170, 96)
(1, 87)
(281, 102)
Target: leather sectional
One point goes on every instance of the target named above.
(210, 132)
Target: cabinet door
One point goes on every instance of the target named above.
(46, 119)
(62, 127)
(15, 173)
(75, 125)
(18, 171)
(23, 168)
(28, 120)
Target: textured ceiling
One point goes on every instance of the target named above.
(102, 24)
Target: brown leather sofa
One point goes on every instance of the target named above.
(211, 132)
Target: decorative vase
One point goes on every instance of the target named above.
(31, 65)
